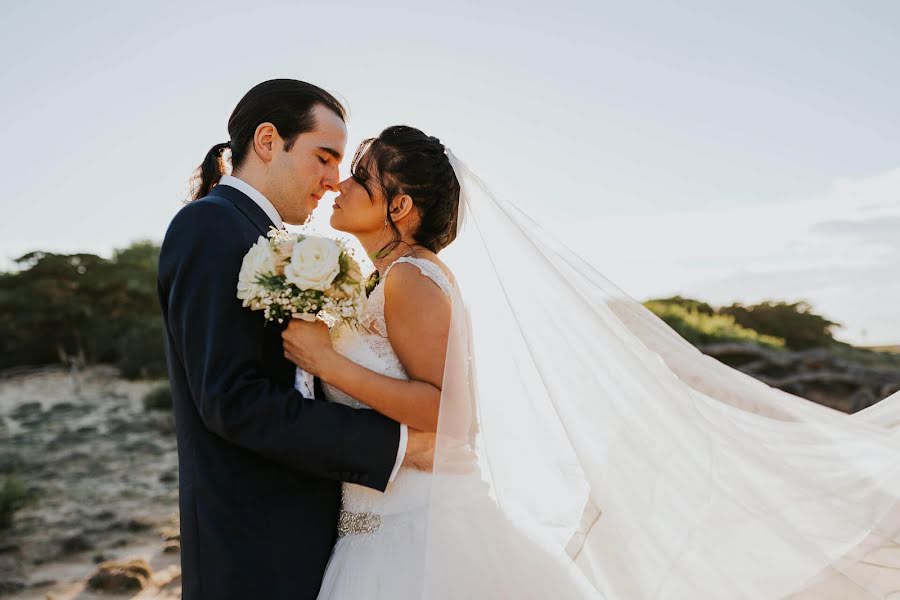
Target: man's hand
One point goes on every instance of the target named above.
(307, 344)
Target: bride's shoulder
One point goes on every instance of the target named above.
(422, 275)
(417, 298)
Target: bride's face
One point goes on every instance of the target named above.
(357, 212)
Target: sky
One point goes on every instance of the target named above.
(729, 151)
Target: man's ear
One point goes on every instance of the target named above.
(401, 207)
(264, 141)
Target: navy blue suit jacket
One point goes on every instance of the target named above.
(260, 466)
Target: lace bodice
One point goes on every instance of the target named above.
(367, 344)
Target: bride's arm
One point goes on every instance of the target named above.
(417, 314)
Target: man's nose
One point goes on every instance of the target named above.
(332, 179)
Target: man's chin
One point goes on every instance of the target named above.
(296, 220)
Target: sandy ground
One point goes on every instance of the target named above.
(101, 477)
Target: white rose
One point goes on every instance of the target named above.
(259, 260)
(314, 264)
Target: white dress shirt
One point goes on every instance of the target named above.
(264, 203)
(255, 195)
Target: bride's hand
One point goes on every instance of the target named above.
(307, 344)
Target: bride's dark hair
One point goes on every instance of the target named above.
(403, 160)
(285, 103)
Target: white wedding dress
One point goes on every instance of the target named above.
(381, 549)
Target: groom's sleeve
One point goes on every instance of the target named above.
(219, 343)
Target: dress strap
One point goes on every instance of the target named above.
(428, 269)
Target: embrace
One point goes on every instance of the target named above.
(505, 424)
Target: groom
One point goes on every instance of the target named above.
(260, 465)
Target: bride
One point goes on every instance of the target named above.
(584, 450)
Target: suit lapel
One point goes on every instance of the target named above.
(246, 205)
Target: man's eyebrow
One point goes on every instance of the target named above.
(337, 155)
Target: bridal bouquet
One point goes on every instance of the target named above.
(288, 275)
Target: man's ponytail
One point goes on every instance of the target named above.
(207, 175)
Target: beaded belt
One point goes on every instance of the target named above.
(350, 523)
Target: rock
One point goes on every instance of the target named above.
(76, 543)
(120, 577)
(105, 515)
(65, 439)
(99, 558)
(10, 463)
(12, 575)
(171, 534)
(105, 527)
(62, 408)
(29, 410)
(9, 547)
(142, 447)
(136, 524)
(10, 569)
(119, 426)
(173, 547)
(24, 439)
(11, 586)
(824, 376)
(168, 477)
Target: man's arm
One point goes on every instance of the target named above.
(220, 343)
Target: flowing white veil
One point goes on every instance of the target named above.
(614, 460)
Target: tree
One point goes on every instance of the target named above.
(794, 322)
(81, 307)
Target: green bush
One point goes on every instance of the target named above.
(159, 398)
(687, 303)
(12, 498)
(140, 350)
(774, 324)
(83, 308)
(702, 328)
(795, 323)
